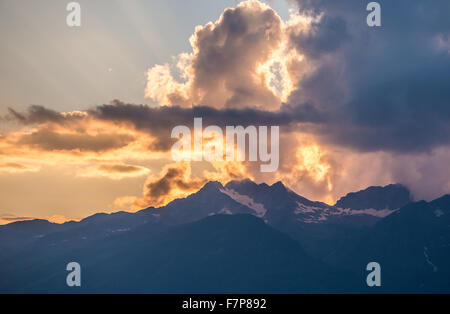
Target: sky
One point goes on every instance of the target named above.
(86, 113)
(72, 69)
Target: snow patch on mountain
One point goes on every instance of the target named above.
(381, 213)
(302, 208)
(428, 260)
(312, 214)
(225, 211)
(259, 209)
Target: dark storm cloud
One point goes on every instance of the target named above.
(324, 36)
(46, 139)
(388, 87)
(159, 121)
(165, 184)
(36, 114)
(157, 191)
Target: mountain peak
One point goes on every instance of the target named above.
(243, 181)
(32, 222)
(391, 196)
(279, 186)
(212, 186)
(239, 184)
(443, 201)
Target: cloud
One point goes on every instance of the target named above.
(224, 68)
(384, 88)
(39, 114)
(113, 126)
(47, 139)
(325, 35)
(307, 166)
(113, 171)
(158, 120)
(120, 168)
(13, 167)
(175, 181)
(369, 89)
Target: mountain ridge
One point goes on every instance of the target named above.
(391, 196)
(216, 185)
(223, 235)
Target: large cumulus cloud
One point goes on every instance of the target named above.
(224, 68)
(369, 89)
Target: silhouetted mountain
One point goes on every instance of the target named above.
(278, 202)
(391, 196)
(412, 246)
(20, 233)
(222, 253)
(214, 241)
(321, 229)
(209, 200)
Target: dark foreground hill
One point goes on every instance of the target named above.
(218, 254)
(412, 246)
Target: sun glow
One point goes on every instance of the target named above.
(311, 160)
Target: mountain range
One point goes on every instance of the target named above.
(239, 237)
